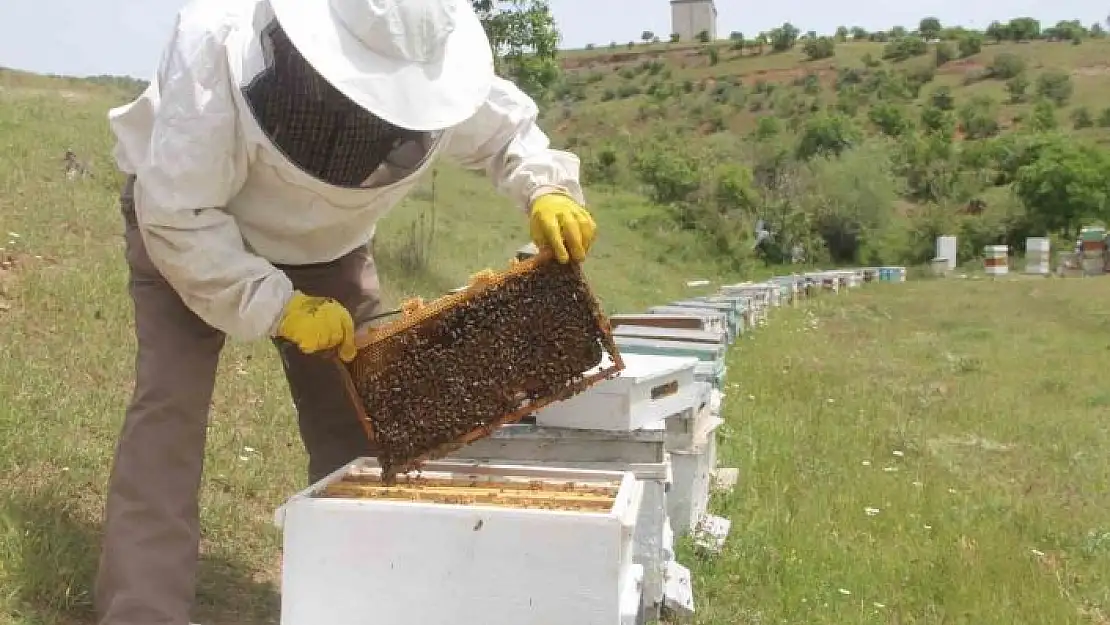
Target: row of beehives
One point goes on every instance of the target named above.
(1089, 258)
(567, 518)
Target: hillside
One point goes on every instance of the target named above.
(861, 151)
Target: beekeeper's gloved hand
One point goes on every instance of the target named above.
(559, 222)
(318, 323)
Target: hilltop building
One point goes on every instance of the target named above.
(691, 17)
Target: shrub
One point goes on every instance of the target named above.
(819, 48)
(1055, 85)
(1006, 65)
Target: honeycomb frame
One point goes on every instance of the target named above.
(415, 312)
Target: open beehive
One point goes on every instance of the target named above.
(471, 490)
(525, 539)
(451, 371)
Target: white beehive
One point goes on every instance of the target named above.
(648, 389)
(672, 334)
(640, 452)
(518, 554)
(692, 476)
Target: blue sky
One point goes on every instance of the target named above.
(79, 37)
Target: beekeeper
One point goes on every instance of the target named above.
(274, 136)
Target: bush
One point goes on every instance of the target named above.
(944, 53)
(1017, 86)
(1081, 118)
(890, 119)
(970, 45)
(942, 99)
(1006, 65)
(1104, 118)
(904, 48)
(979, 118)
(1055, 85)
(819, 48)
(827, 134)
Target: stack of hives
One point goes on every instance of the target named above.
(627, 445)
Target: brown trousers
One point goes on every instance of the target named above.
(151, 536)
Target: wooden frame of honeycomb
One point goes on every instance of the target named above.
(537, 365)
(531, 494)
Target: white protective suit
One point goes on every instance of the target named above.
(217, 203)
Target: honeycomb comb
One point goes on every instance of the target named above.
(450, 371)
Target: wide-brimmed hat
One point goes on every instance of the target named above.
(418, 64)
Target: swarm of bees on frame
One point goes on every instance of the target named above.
(521, 342)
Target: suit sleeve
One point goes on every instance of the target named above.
(504, 139)
(193, 163)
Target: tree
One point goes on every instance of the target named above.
(784, 37)
(703, 36)
(930, 28)
(842, 33)
(998, 31)
(1024, 29)
(860, 34)
(524, 39)
(647, 36)
(1065, 184)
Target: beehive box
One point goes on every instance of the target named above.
(692, 475)
(682, 428)
(672, 334)
(728, 320)
(452, 371)
(653, 539)
(682, 322)
(648, 389)
(462, 544)
(702, 351)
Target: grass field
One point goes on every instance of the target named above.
(994, 395)
(932, 452)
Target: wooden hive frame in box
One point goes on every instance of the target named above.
(542, 368)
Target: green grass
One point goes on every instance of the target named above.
(937, 449)
(918, 368)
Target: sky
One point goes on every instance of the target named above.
(125, 37)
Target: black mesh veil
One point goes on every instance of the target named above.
(317, 128)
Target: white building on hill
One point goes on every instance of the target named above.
(691, 17)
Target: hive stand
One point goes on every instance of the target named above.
(344, 558)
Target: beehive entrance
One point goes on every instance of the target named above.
(450, 372)
(533, 494)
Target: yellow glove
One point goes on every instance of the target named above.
(560, 223)
(318, 323)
